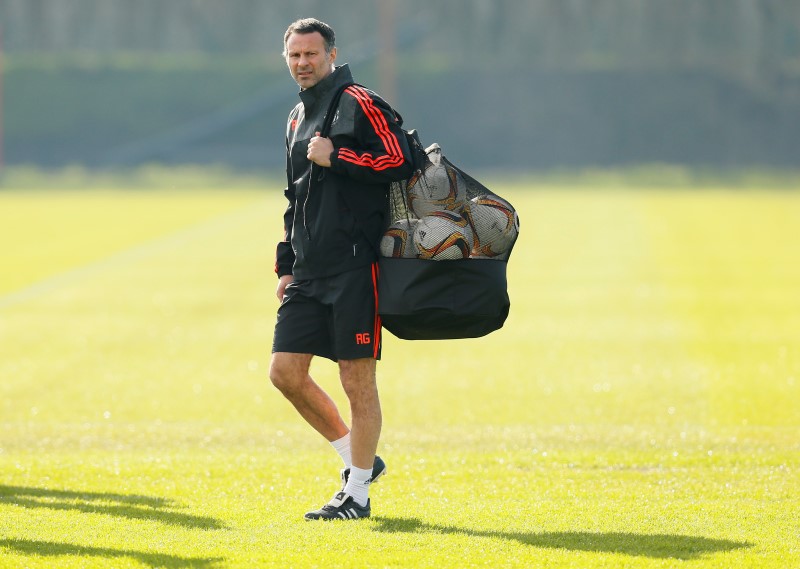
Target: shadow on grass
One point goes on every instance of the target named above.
(49, 548)
(659, 546)
(126, 506)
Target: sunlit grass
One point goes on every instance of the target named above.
(641, 407)
(47, 232)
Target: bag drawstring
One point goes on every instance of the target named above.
(305, 201)
(320, 177)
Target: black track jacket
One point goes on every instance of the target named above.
(329, 221)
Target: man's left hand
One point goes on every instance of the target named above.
(320, 150)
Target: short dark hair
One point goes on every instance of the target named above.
(309, 26)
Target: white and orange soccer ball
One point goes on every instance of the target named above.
(398, 240)
(440, 187)
(495, 224)
(443, 235)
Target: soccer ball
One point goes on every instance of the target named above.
(398, 241)
(440, 188)
(495, 224)
(443, 235)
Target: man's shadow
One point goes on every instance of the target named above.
(48, 548)
(659, 546)
(129, 506)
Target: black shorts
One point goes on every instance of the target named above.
(333, 317)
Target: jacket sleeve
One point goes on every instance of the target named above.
(382, 155)
(284, 255)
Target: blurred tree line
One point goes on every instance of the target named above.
(750, 38)
(545, 82)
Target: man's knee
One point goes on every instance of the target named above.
(278, 375)
(288, 371)
(357, 376)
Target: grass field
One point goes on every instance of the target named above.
(641, 407)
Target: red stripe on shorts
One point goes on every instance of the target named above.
(377, 331)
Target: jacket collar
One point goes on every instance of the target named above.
(312, 96)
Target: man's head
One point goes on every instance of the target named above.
(309, 47)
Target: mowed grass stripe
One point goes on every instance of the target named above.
(48, 232)
(217, 224)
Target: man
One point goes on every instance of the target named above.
(327, 265)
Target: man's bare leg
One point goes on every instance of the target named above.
(358, 380)
(289, 373)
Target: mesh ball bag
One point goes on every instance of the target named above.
(444, 255)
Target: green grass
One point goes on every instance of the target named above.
(641, 407)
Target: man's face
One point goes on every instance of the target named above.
(307, 59)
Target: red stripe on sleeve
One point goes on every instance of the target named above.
(380, 163)
(376, 118)
(394, 155)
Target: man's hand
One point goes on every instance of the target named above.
(282, 283)
(320, 150)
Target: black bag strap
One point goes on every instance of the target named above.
(327, 123)
(418, 154)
